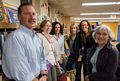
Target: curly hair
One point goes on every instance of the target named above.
(53, 29)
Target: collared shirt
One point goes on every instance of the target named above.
(23, 56)
(59, 46)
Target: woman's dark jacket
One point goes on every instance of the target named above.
(118, 46)
(118, 69)
(79, 42)
(82, 43)
(106, 65)
(70, 62)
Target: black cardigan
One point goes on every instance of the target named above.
(82, 42)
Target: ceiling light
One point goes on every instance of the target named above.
(100, 3)
(77, 19)
(98, 19)
(113, 13)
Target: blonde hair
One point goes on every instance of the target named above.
(74, 25)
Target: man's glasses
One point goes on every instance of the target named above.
(26, 14)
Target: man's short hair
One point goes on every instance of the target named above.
(20, 7)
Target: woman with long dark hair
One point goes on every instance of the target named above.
(81, 46)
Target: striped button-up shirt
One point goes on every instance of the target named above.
(23, 56)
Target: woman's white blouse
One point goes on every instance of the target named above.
(59, 46)
(49, 53)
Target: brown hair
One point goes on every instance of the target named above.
(42, 24)
(89, 28)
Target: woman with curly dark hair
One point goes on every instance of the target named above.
(58, 41)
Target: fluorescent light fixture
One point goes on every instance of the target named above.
(77, 19)
(98, 19)
(100, 3)
(113, 13)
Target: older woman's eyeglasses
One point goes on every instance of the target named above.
(101, 34)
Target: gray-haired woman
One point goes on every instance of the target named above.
(103, 58)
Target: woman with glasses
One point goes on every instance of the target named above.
(45, 29)
(103, 57)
